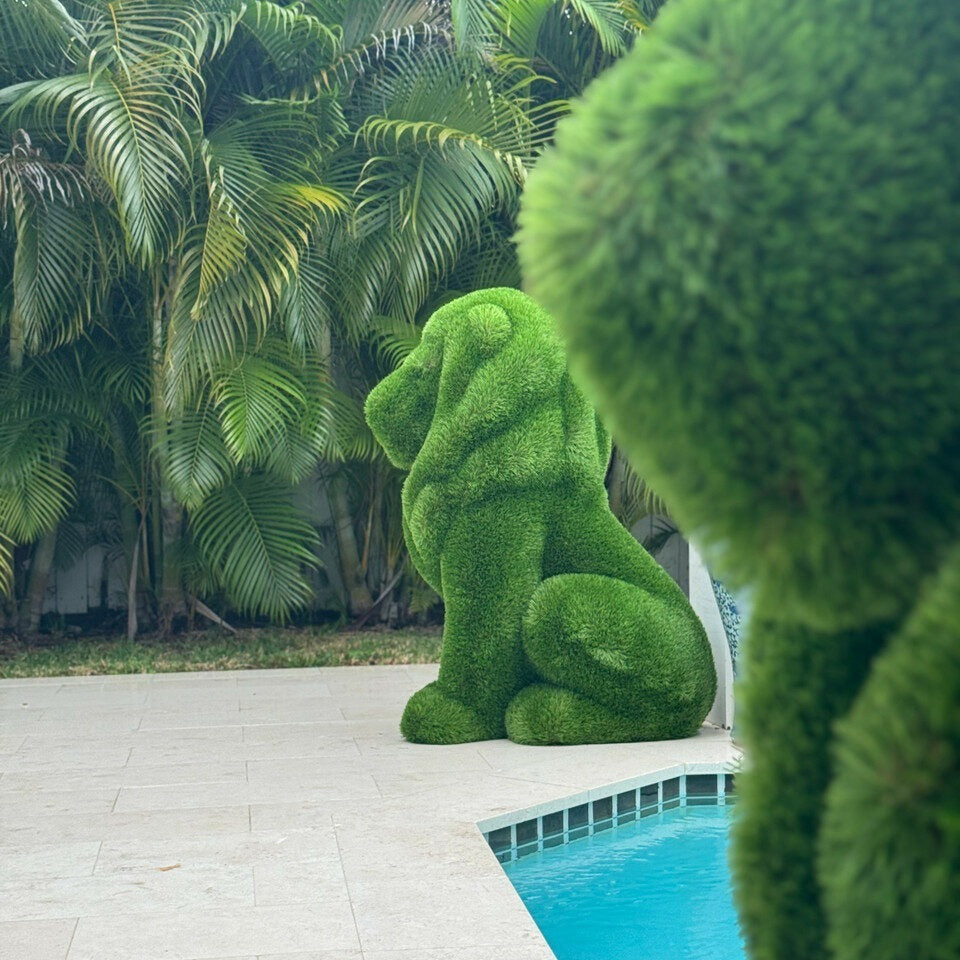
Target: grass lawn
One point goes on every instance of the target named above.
(217, 650)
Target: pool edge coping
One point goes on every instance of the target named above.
(563, 803)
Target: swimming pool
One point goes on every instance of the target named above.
(657, 889)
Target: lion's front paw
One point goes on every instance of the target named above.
(432, 716)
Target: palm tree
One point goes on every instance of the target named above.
(202, 202)
(227, 219)
(444, 138)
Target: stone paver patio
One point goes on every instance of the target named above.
(269, 815)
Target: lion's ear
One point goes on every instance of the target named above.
(490, 327)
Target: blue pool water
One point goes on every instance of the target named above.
(656, 889)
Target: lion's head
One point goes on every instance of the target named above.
(488, 365)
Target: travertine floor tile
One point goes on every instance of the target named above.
(45, 860)
(211, 934)
(65, 828)
(500, 951)
(344, 787)
(36, 940)
(148, 775)
(209, 853)
(270, 815)
(420, 915)
(164, 890)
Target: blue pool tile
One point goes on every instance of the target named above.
(602, 809)
(527, 832)
(701, 785)
(552, 824)
(500, 840)
(650, 795)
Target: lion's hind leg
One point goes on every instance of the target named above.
(543, 714)
(619, 664)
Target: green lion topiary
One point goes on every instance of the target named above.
(559, 627)
(749, 232)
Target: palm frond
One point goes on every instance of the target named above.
(54, 283)
(662, 530)
(373, 33)
(341, 430)
(394, 340)
(304, 307)
(133, 134)
(41, 407)
(630, 496)
(35, 488)
(195, 457)
(120, 367)
(257, 544)
(50, 395)
(292, 454)
(518, 23)
(36, 38)
(449, 150)
(288, 32)
(176, 32)
(473, 28)
(606, 18)
(262, 202)
(490, 262)
(27, 173)
(253, 395)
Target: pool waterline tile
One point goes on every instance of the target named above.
(616, 807)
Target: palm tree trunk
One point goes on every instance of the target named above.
(16, 340)
(359, 600)
(172, 600)
(132, 590)
(31, 609)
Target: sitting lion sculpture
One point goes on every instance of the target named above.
(560, 628)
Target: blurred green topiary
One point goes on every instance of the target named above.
(559, 628)
(749, 232)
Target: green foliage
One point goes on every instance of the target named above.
(749, 233)
(252, 396)
(798, 681)
(134, 138)
(506, 516)
(256, 541)
(38, 415)
(198, 461)
(231, 217)
(37, 38)
(631, 650)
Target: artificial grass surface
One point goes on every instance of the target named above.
(560, 628)
(749, 232)
(217, 650)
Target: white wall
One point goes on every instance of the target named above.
(704, 602)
